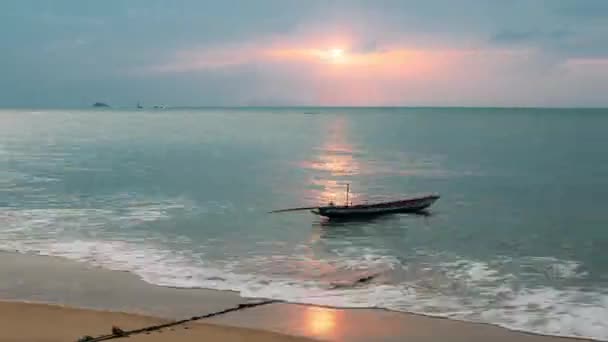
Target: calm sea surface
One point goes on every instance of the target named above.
(519, 237)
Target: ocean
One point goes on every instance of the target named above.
(180, 197)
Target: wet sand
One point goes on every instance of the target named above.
(51, 323)
(373, 325)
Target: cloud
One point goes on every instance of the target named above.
(512, 36)
(195, 52)
(385, 75)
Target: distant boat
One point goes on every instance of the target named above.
(100, 105)
(159, 107)
(407, 205)
(139, 106)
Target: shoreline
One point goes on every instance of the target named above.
(34, 280)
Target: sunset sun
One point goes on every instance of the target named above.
(336, 53)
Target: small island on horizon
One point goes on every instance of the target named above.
(101, 105)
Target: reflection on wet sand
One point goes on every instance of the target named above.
(321, 322)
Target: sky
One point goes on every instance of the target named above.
(72, 53)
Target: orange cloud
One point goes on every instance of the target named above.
(341, 73)
(335, 60)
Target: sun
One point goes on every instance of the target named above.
(333, 55)
(336, 53)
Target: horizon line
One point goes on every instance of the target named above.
(308, 106)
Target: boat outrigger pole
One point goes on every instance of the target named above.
(293, 209)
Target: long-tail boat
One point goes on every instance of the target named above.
(407, 205)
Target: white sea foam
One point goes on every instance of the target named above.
(554, 268)
(547, 310)
(457, 288)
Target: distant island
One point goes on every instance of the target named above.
(100, 105)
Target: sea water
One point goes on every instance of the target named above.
(181, 198)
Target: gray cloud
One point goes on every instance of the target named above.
(513, 36)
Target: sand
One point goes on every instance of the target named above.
(49, 323)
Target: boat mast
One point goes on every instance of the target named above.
(347, 190)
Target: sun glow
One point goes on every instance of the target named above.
(334, 55)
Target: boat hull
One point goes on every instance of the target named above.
(412, 205)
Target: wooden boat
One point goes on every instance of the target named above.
(407, 205)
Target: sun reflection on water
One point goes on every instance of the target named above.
(335, 164)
